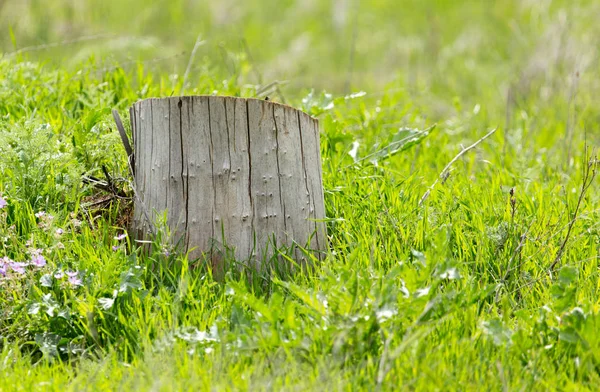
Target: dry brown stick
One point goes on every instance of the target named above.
(94, 203)
(589, 173)
(125, 140)
(97, 183)
(131, 162)
(444, 172)
(107, 187)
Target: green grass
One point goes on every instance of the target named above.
(454, 293)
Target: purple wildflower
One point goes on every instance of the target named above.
(2, 202)
(121, 237)
(74, 279)
(40, 214)
(3, 262)
(115, 248)
(59, 231)
(59, 274)
(38, 261)
(35, 252)
(18, 267)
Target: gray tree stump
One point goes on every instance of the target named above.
(241, 174)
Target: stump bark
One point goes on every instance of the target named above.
(230, 174)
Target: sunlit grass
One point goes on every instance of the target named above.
(454, 292)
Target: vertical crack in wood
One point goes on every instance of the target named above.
(212, 165)
(141, 179)
(302, 154)
(183, 181)
(135, 152)
(226, 182)
(281, 203)
(234, 127)
(319, 180)
(308, 192)
(150, 182)
(313, 205)
(168, 184)
(250, 182)
(227, 129)
(144, 217)
(187, 190)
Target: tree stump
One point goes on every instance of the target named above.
(240, 174)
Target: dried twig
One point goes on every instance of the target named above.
(96, 183)
(131, 162)
(269, 88)
(107, 186)
(125, 140)
(444, 172)
(589, 173)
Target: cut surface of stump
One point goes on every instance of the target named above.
(242, 175)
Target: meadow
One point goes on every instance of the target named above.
(481, 275)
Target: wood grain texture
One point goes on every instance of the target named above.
(234, 177)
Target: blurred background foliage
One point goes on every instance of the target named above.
(531, 46)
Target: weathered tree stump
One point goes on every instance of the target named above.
(242, 174)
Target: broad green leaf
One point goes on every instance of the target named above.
(404, 139)
(497, 331)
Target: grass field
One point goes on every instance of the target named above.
(486, 280)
